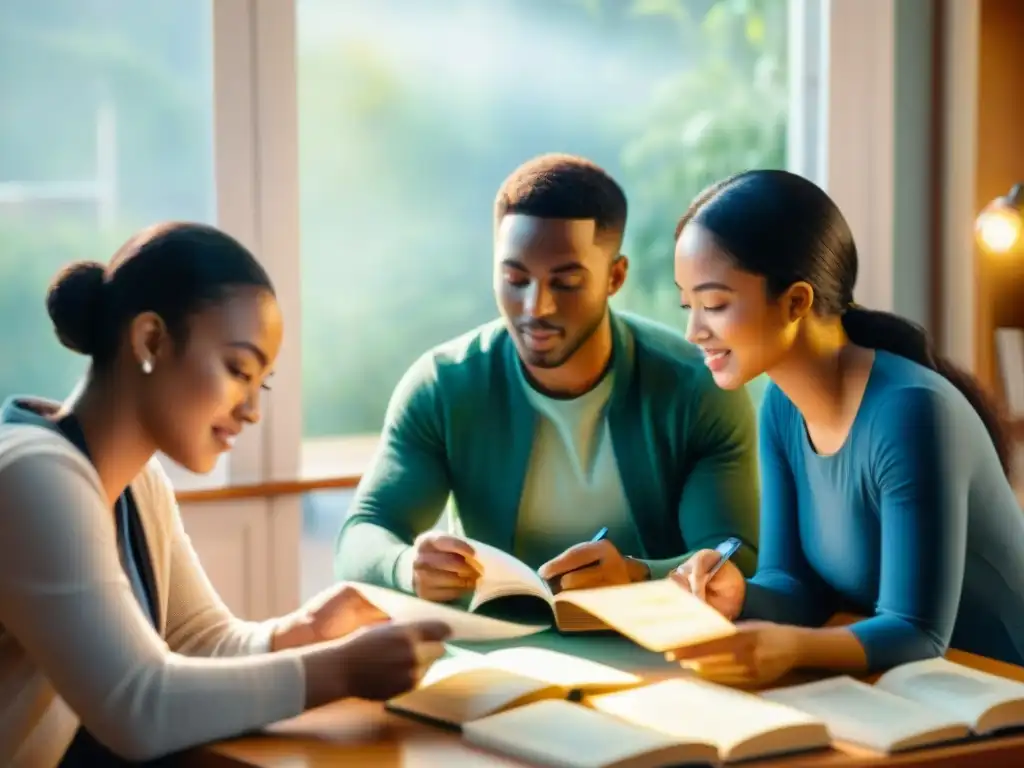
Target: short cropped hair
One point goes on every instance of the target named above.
(560, 186)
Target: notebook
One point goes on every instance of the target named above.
(912, 705)
(469, 686)
(675, 722)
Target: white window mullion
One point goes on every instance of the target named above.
(277, 204)
(237, 169)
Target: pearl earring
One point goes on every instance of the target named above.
(147, 367)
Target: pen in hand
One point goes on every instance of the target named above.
(601, 535)
(726, 550)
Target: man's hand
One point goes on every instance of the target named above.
(444, 568)
(592, 564)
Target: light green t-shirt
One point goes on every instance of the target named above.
(572, 487)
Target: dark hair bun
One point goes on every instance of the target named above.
(75, 304)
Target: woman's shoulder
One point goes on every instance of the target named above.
(36, 454)
(907, 405)
(30, 444)
(45, 483)
(901, 386)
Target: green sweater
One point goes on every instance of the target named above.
(460, 425)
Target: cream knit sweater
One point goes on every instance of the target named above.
(75, 646)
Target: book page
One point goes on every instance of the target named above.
(958, 690)
(565, 734)
(862, 714)
(504, 575)
(465, 626)
(689, 709)
(655, 614)
(569, 673)
(470, 695)
(463, 661)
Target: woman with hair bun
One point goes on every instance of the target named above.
(114, 646)
(883, 466)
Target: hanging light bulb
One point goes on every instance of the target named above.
(999, 226)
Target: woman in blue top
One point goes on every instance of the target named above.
(884, 467)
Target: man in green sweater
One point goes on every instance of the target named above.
(561, 419)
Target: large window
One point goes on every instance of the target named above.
(397, 121)
(412, 113)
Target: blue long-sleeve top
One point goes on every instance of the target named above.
(912, 523)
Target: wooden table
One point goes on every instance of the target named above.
(358, 733)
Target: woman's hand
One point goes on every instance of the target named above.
(334, 613)
(724, 592)
(375, 663)
(759, 653)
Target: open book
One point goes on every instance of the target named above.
(509, 588)
(655, 614)
(468, 686)
(912, 705)
(675, 722)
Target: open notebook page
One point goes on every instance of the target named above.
(655, 614)
(696, 710)
(503, 575)
(862, 714)
(956, 689)
(465, 626)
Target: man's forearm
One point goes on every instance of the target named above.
(370, 553)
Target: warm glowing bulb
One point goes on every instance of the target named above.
(998, 228)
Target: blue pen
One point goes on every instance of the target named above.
(726, 549)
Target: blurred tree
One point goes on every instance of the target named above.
(725, 116)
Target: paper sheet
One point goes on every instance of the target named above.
(465, 626)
